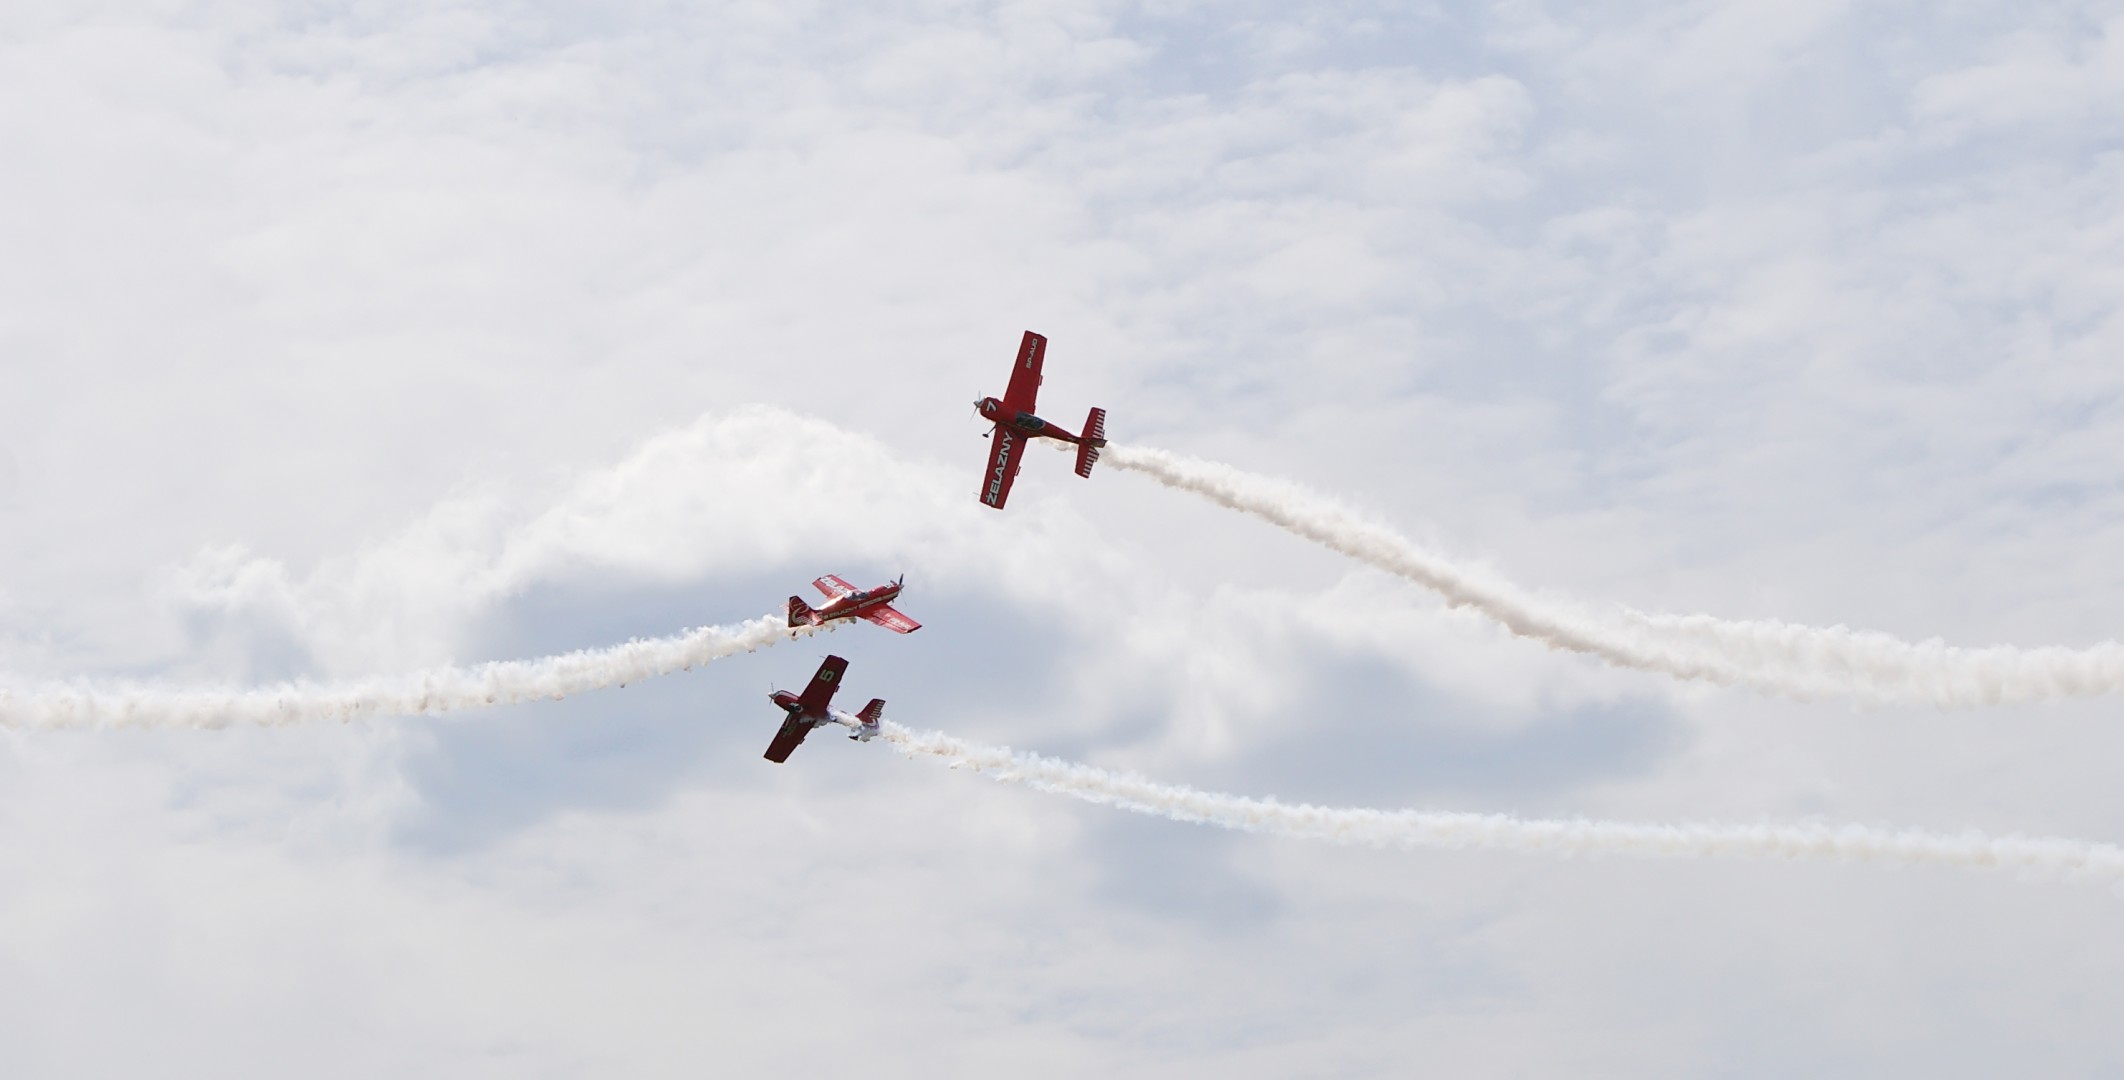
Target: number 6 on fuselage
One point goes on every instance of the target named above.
(1016, 426)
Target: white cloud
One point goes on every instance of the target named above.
(339, 336)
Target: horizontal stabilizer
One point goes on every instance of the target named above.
(866, 725)
(1093, 438)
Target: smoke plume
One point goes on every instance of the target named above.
(2033, 856)
(438, 690)
(1797, 661)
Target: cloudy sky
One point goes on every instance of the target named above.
(354, 338)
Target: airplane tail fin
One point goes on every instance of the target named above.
(1093, 438)
(871, 714)
(800, 613)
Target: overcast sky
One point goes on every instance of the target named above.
(345, 339)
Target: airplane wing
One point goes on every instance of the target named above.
(793, 731)
(885, 616)
(1005, 447)
(833, 586)
(1025, 377)
(824, 682)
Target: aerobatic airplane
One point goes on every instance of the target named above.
(814, 708)
(1016, 426)
(845, 601)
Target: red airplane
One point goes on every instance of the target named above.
(1016, 425)
(813, 708)
(845, 601)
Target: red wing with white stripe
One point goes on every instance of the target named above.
(885, 616)
(833, 586)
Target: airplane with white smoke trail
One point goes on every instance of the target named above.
(814, 708)
(1803, 662)
(845, 601)
(1016, 426)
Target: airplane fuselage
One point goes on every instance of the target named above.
(1024, 423)
(796, 717)
(793, 710)
(856, 603)
(844, 601)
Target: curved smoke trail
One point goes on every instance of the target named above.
(1782, 658)
(2045, 857)
(433, 691)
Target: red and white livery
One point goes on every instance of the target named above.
(1016, 426)
(845, 601)
(814, 708)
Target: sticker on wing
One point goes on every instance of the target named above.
(1005, 447)
(1025, 375)
(787, 739)
(892, 620)
(819, 694)
(833, 585)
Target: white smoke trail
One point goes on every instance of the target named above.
(1880, 667)
(2033, 856)
(1781, 658)
(1326, 522)
(433, 691)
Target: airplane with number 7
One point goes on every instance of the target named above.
(1016, 426)
(814, 708)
